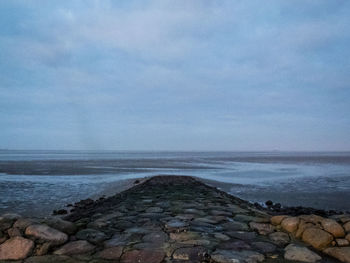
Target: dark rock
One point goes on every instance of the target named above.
(91, 235)
(143, 256)
(269, 203)
(60, 212)
(197, 254)
(264, 247)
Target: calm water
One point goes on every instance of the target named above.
(36, 182)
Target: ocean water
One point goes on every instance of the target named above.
(36, 182)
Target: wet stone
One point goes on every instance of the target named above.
(279, 238)
(243, 235)
(264, 247)
(75, 247)
(185, 217)
(191, 253)
(229, 256)
(194, 211)
(262, 228)
(154, 210)
(52, 259)
(184, 236)
(46, 233)
(235, 226)
(92, 235)
(143, 256)
(61, 225)
(23, 223)
(117, 240)
(246, 218)
(176, 224)
(111, 253)
(234, 245)
(221, 236)
(220, 213)
(156, 237)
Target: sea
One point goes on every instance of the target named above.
(34, 183)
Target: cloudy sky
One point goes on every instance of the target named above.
(175, 75)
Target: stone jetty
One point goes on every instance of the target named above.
(173, 219)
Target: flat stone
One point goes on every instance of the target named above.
(279, 238)
(342, 242)
(197, 242)
(52, 259)
(156, 237)
(154, 210)
(333, 227)
(246, 218)
(148, 245)
(264, 247)
(236, 209)
(117, 240)
(205, 220)
(16, 248)
(234, 245)
(61, 225)
(317, 238)
(111, 253)
(221, 236)
(98, 224)
(174, 224)
(220, 213)
(197, 254)
(75, 247)
(290, 224)
(185, 216)
(340, 253)
(302, 254)
(46, 233)
(243, 235)
(194, 211)
(92, 235)
(143, 256)
(184, 236)
(276, 220)
(262, 228)
(138, 230)
(235, 226)
(232, 256)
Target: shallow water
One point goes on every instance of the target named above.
(36, 182)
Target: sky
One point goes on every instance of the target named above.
(203, 75)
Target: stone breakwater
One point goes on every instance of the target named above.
(173, 219)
